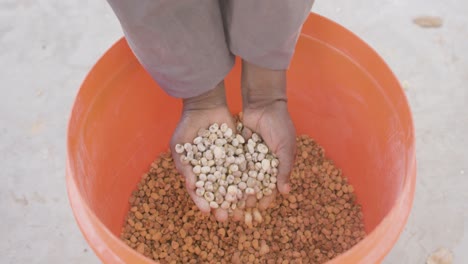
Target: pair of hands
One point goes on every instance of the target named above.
(265, 112)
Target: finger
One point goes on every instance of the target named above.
(265, 202)
(200, 202)
(286, 160)
(238, 215)
(246, 133)
(251, 201)
(221, 215)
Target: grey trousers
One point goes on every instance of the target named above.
(188, 46)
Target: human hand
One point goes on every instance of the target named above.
(266, 113)
(200, 112)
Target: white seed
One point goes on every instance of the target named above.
(207, 143)
(240, 138)
(237, 173)
(249, 191)
(190, 155)
(245, 176)
(267, 191)
(225, 205)
(258, 166)
(205, 169)
(194, 162)
(222, 190)
(211, 178)
(255, 137)
(179, 148)
(274, 163)
(208, 154)
(220, 142)
(241, 204)
(219, 198)
(204, 161)
(198, 155)
(231, 159)
(197, 140)
(212, 138)
(248, 156)
(184, 160)
(257, 189)
(233, 206)
(217, 174)
(232, 189)
(194, 149)
(223, 183)
(251, 149)
(242, 185)
(261, 157)
(260, 176)
(214, 127)
(209, 196)
(209, 186)
(266, 165)
(255, 156)
(213, 169)
(211, 164)
(228, 133)
(257, 216)
(239, 194)
(237, 180)
(235, 142)
(218, 152)
(199, 184)
(262, 148)
(202, 177)
(197, 169)
(239, 152)
(272, 186)
(188, 147)
(201, 147)
(230, 179)
(259, 195)
(251, 182)
(239, 126)
(243, 166)
(224, 127)
(200, 191)
(214, 205)
(253, 174)
(219, 134)
(273, 179)
(274, 171)
(266, 182)
(230, 197)
(233, 167)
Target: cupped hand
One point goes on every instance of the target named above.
(198, 114)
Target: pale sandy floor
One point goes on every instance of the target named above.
(47, 47)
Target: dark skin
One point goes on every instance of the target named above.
(264, 111)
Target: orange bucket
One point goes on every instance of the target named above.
(341, 93)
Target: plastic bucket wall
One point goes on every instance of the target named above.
(341, 93)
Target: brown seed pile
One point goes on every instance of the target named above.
(317, 221)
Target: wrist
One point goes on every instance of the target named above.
(261, 86)
(212, 99)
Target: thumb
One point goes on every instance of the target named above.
(286, 157)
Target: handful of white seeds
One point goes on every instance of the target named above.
(228, 167)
